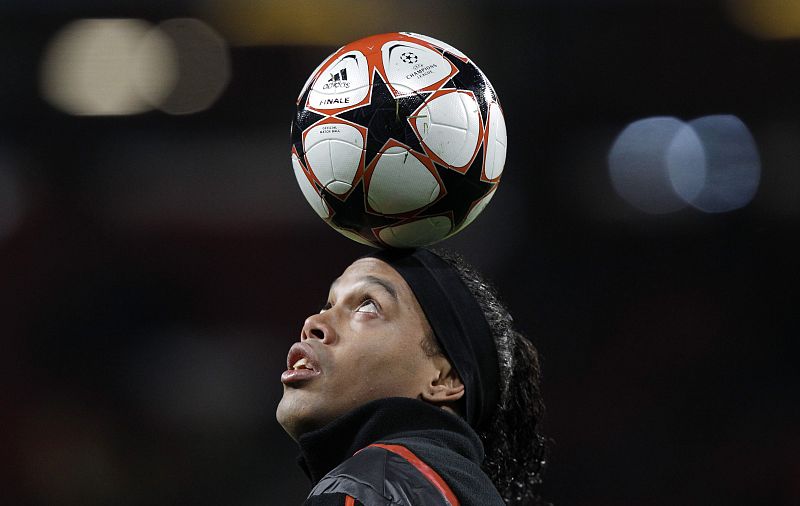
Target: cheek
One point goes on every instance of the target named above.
(371, 364)
(362, 364)
(384, 370)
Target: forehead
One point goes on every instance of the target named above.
(377, 272)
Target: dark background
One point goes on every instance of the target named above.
(155, 268)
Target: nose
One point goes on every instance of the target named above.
(315, 327)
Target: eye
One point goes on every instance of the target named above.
(367, 306)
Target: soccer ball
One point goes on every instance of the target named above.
(399, 140)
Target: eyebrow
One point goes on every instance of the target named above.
(374, 280)
(388, 287)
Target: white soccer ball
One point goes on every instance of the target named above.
(398, 141)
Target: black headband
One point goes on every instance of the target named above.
(458, 323)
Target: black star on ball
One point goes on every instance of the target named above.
(470, 77)
(386, 117)
(462, 191)
(302, 120)
(351, 213)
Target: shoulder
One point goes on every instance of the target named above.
(454, 465)
(386, 474)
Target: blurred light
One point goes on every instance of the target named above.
(766, 19)
(638, 165)
(733, 167)
(126, 66)
(325, 23)
(299, 22)
(13, 203)
(107, 67)
(661, 164)
(156, 67)
(204, 65)
(686, 164)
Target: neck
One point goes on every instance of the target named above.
(327, 447)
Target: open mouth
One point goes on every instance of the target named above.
(301, 364)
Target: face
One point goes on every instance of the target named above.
(363, 345)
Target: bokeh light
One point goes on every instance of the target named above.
(638, 165)
(107, 67)
(324, 23)
(127, 66)
(156, 70)
(733, 166)
(686, 164)
(203, 63)
(660, 164)
(766, 19)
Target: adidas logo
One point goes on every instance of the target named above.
(337, 80)
(339, 76)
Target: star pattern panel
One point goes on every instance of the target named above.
(386, 117)
(462, 191)
(351, 213)
(302, 120)
(469, 77)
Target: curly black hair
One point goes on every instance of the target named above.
(515, 449)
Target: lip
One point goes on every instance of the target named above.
(292, 376)
(296, 352)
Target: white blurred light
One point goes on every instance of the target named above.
(204, 64)
(661, 164)
(686, 163)
(126, 66)
(12, 199)
(638, 165)
(107, 67)
(733, 167)
(156, 67)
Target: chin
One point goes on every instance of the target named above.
(298, 416)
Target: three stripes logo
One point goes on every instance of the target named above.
(339, 76)
(337, 80)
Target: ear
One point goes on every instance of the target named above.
(445, 386)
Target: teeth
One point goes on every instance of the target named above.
(300, 364)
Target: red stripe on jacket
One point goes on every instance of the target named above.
(425, 469)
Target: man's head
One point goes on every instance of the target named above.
(370, 341)
(374, 339)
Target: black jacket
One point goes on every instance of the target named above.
(396, 451)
